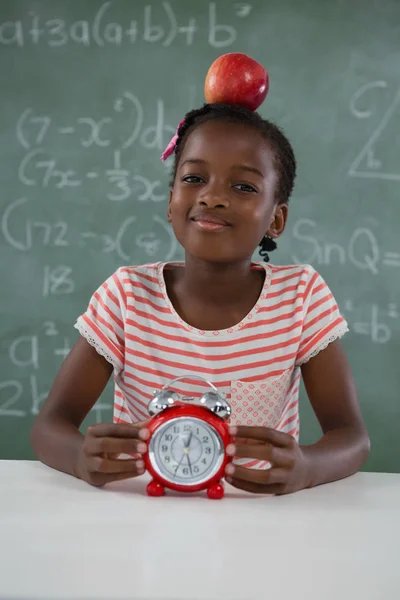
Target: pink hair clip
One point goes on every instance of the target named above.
(170, 149)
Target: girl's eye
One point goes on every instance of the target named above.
(192, 179)
(245, 187)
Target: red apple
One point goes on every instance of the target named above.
(236, 78)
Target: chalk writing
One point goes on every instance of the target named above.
(154, 24)
(361, 251)
(371, 321)
(57, 280)
(123, 242)
(124, 126)
(27, 353)
(367, 164)
(10, 392)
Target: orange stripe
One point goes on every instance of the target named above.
(100, 319)
(138, 392)
(187, 353)
(319, 318)
(141, 286)
(310, 285)
(147, 302)
(134, 271)
(121, 409)
(283, 317)
(279, 280)
(118, 420)
(251, 463)
(113, 349)
(286, 410)
(110, 295)
(280, 305)
(108, 310)
(205, 342)
(120, 288)
(138, 414)
(134, 407)
(249, 325)
(289, 288)
(289, 420)
(275, 332)
(151, 317)
(205, 370)
(313, 344)
(319, 302)
(165, 377)
(300, 269)
(133, 399)
(168, 376)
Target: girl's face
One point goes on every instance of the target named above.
(223, 199)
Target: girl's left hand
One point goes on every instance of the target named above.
(289, 469)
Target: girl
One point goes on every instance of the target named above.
(251, 328)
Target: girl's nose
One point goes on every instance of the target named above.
(213, 197)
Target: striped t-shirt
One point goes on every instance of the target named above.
(131, 321)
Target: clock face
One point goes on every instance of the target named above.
(186, 451)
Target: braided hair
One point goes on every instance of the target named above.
(284, 159)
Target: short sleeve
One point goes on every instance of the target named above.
(102, 325)
(322, 321)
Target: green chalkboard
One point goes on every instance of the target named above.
(92, 91)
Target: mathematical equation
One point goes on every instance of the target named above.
(371, 162)
(361, 251)
(156, 24)
(25, 234)
(372, 321)
(40, 168)
(121, 128)
(24, 353)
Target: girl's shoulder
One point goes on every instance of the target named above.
(288, 273)
(299, 282)
(134, 274)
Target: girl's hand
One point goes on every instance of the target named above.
(288, 472)
(99, 461)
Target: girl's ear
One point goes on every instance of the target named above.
(169, 207)
(278, 224)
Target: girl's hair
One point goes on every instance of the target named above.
(284, 159)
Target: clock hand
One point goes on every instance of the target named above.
(180, 462)
(190, 464)
(185, 446)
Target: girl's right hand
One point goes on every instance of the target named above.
(99, 461)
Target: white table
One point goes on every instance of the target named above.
(61, 538)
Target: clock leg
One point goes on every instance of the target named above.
(216, 491)
(154, 488)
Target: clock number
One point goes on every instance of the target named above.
(168, 437)
(185, 471)
(187, 427)
(167, 459)
(205, 439)
(176, 429)
(196, 469)
(204, 461)
(164, 448)
(207, 450)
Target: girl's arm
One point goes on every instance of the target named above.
(344, 446)
(340, 452)
(55, 435)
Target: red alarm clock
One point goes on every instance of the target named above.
(188, 438)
